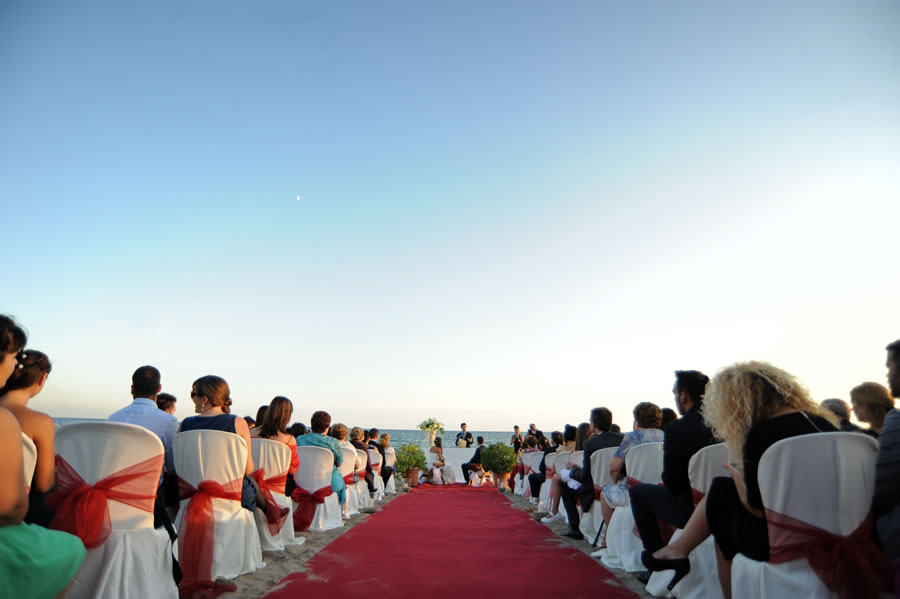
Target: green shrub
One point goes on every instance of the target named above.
(409, 457)
(498, 458)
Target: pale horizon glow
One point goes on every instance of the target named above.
(498, 214)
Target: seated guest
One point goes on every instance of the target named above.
(34, 561)
(274, 427)
(537, 478)
(166, 402)
(297, 429)
(647, 420)
(841, 409)
(886, 501)
(212, 403)
(750, 406)
(871, 402)
(601, 420)
(341, 432)
(668, 415)
(615, 428)
(320, 423)
(26, 381)
(474, 464)
(357, 439)
(373, 438)
(386, 471)
(569, 434)
(143, 411)
(673, 502)
(260, 415)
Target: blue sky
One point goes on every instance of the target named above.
(508, 212)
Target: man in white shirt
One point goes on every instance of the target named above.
(144, 412)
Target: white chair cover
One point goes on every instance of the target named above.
(363, 498)
(826, 480)
(532, 463)
(275, 458)
(544, 497)
(559, 464)
(390, 459)
(348, 465)
(644, 463)
(135, 561)
(316, 466)
(703, 579)
(592, 519)
(219, 456)
(375, 459)
(29, 459)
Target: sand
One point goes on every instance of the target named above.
(280, 564)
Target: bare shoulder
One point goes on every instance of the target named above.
(8, 423)
(240, 426)
(35, 424)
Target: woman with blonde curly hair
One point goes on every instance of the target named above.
(750, 406)
(871, 402)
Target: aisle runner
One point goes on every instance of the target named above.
(453, 541)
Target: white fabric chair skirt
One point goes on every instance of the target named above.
(363, 498)
(348, 465)
(592, 519)
(703, 580)
(826, 480)
(390, 459)
(624, 547)
(316, 466)
(375, 458)
(135, 561)
(544, 495)
(275, 458)
(236, 549)
(29, 459)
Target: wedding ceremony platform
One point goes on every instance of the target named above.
(451, 541)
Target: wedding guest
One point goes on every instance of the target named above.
(886, 501)
(357, 439)
(320, 423)
(668, 415)
(25, 383)
(340, 432)
(841, 409)
(750, 406)
(166, 402)
(34, 561)
(871, 402)
(297, 429)
(212, 403)
(386, 471)
(260, 415)
(274, 428)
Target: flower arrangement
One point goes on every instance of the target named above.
(409, 457)
(432, 425)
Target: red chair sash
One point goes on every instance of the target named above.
(197, 538)
(598, 493)
(306, 505)
(850, 566)
(696, 496)
(548, 473)
(527, 470)
(376, 468)
(82, 509)
(348, 480)
(275, 514)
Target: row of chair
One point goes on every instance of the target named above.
(823, 481)
(135, 560)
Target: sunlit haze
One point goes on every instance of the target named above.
(502, 212)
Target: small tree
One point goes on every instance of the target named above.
(409, 457)
(498, 458)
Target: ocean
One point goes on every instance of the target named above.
(398, 436)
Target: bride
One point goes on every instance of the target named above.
(439, 473)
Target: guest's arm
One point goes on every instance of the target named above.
(241, 428)
(887, 467)
(13, 499)
(616, 466)
(44, 432)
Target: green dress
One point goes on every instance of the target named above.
(37, 562)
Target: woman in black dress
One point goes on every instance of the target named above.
(750, 406)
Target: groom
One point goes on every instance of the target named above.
(475, 463)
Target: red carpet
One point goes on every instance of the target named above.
(452, 541)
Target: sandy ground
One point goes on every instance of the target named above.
(280, 564)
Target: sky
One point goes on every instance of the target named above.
(498, 212)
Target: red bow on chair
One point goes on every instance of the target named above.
(275, 514)
(81, 509)
(197, 537)
(376, 468)
(306, 505)
(348, 480)
(850, 566)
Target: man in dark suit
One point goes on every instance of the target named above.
(683, 438)
(536, 479)
(601, 420)
(463, 435)
(475, 462)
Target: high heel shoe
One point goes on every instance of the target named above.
(682, 566)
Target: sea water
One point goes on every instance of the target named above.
(398, 436)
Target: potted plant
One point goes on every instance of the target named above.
(499, 459)
(431, 427)
(410, 459)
